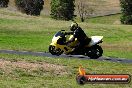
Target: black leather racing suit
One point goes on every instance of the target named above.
(81, 37)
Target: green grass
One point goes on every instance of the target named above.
(24, 78)
(112, 19)
(25, 41)
(22, 32)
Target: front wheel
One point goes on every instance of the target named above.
(95, 52)
(55, 51)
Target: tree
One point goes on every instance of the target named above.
(84, 10)
(30, 7)
(62, 9)
(126, 9)
(4, 3)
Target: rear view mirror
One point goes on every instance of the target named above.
(62, 30)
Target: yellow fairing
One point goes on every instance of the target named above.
(73, 44)
(62, 47)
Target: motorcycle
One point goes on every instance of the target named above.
(58, 46)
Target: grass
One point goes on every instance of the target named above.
(24, 78)
(112, 19)
(22, 32)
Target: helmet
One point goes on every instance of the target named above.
(73, 26)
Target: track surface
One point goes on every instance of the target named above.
(66, 56)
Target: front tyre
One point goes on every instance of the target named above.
(95, 52)
(55, 51)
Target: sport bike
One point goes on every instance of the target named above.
(58, 46)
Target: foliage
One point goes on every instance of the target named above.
(126, 17)
(30, 7)
(4, 3)
(62, 9)
(84, 10)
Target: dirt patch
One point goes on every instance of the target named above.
(9, 66)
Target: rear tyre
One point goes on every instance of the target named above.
(95, 52)
(54, 51)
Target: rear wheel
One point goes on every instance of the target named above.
(95, 52)
(55, 51)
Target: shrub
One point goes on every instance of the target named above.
(126, 8)
(4, 3)
(62, 9)
(30, 7)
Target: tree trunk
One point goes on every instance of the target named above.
(82, 19)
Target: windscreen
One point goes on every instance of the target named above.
(58, 34)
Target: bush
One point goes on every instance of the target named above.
(126, 8)
(4, 3)
(30, 7)
(62, 9)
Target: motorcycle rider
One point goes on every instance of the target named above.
(78, 33)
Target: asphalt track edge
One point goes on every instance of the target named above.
(118, 60)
